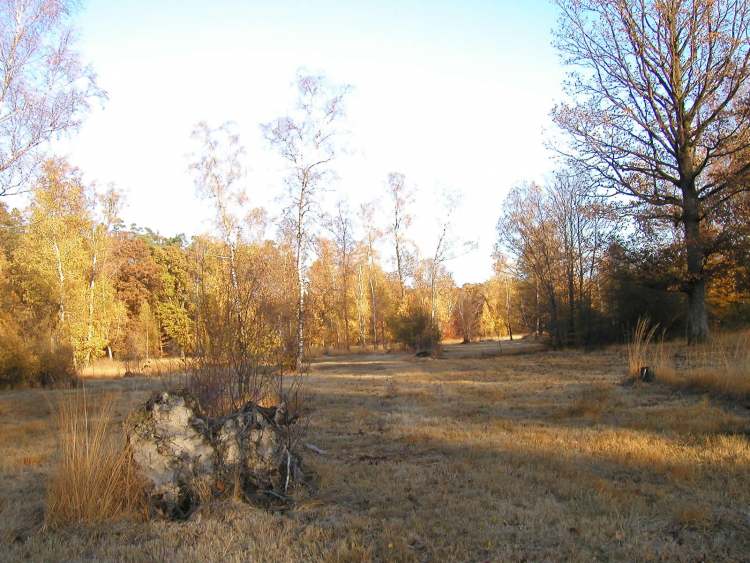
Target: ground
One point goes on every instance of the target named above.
(538, 455)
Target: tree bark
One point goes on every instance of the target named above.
(697, 321)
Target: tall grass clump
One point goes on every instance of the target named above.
(641, 351)
(719, 367)
(95, 479)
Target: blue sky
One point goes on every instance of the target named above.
(453, 94)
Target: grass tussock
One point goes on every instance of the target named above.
(720, 367)
(95, 479)
(641, 349)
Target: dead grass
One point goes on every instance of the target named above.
(592, 402)
(94, 479)
(720, 367)
(156, 367)
(531, 457)
(641, 350)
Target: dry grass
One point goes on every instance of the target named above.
(156, 367)
(720, 367)
(641, 351)
(94, 479)
(592, 402)
(530, 457)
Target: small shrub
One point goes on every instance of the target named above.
(720, 367)
(414, 329)
(95, 478)
(223, 387)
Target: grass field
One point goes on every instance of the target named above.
(534, 456)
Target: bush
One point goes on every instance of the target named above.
(28, 362)
(414, 329)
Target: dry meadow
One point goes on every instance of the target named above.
(535, 456)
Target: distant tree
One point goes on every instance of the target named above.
(659, 107)
(341, 228)
(528, 231)
(46, 90)
(401, 198)
(217, 169)
(371, 235)
(468, 311)
(173, 305)
(63, 258)
(447, 247)
(307, 141)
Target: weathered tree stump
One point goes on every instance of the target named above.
(184, 455)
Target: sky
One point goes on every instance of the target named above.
(455, 95)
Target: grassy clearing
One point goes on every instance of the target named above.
(537, 456)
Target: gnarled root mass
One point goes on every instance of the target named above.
(187, 457)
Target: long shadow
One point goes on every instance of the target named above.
(532, 472)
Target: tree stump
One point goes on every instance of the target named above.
(646, 374)
(185, 456)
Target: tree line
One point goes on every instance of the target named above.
(647, 214)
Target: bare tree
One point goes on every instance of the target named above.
(584, 226)
(45, 90)
(306, 140)
(372, 234)
(528, 231)
(448, 246)
(401, 196)
(658, 112)
(341, 228)
(217, 169)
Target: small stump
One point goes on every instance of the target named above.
(646, 374)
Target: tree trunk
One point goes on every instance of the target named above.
(507, 310)
(571, 308)
(697, 325)
(399, 269)
(300, 322)
(90, 323)
(346, 311)
(554, 319)
(373, 302)
(697, 316)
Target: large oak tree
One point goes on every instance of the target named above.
(659, 109)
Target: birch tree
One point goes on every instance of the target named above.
(401, 198)
(217, 170)
(307, 141)
(45, 89)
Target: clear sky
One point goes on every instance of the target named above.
(453, 94)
